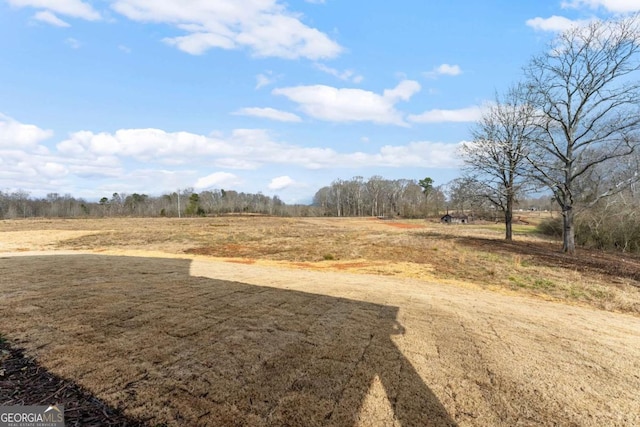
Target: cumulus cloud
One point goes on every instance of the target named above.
(217, 179)
(141, 144)
(269, 113)
(444, 70)
(351, 105)
(469, 114)
(50, 18)
(87, 162)
(31, 165)
(14, 134)
(52, 169)
(614, 6)
(241, 149)
(266, 28)
(557, 23)
(235, 163)
(72, 8)
(199, 43)
(403, 92)
(554, 23)
(280, 183)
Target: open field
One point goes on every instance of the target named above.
(342, 322)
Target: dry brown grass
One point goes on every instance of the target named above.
(177, 349)
(259, 321)
(471, 255)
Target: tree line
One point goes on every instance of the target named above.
(355, 197)
(183, 202)
(380, 197)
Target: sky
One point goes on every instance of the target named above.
(281, 98)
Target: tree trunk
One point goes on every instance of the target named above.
(508, 221)
(568, 231)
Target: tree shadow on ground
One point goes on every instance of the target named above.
(549, 254)
(165, 347)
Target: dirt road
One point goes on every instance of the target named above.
(201, 342)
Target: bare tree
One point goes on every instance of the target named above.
(497, 156)
(585, 93)
(375, 189)
(466, 195)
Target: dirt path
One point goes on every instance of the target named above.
(493, 359)
(200, 342)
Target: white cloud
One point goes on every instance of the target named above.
(235, 163)
(419, 154)
(52, 170)
(50, 18)
(264, 79)
(242, 149)
(557, 23)
(217, 179)
(415, 154)
(554, 23)
(72, 8)
(32, 166)
(141, 144)
(124, 48)
(14, 134)
(444, 70)
(280, 183)
(351, 105)
(199, 43)
(265, 27)
(269, 113)
(92, 164)
(346, 75)
(614, 6)
(469, 114)
(403, 92)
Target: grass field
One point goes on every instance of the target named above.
(323, 321)
(467, 255)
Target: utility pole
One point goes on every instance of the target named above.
(179, 214)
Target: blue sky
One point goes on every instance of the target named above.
(149, 96)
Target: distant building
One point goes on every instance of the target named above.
(455, 219)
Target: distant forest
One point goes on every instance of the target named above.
(612, 223)
(376, 196)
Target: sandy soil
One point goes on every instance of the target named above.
(197, 342)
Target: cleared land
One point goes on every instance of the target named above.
(262, 321)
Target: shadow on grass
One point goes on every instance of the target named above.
(166, 347)
(24, 382)
(549, 254)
